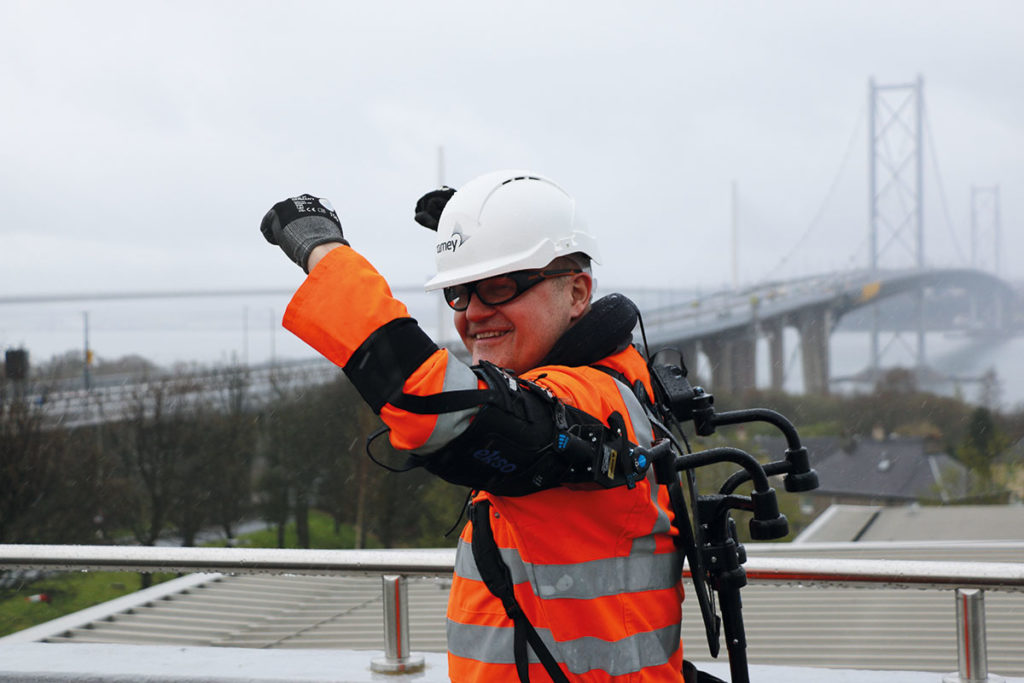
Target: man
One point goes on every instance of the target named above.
(562, 573)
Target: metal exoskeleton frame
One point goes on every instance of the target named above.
(708, 539)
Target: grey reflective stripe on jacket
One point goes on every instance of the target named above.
(637, 415)
(494, 645)
(663, 524)
(644, 437)
(641, 570)
(457, 376)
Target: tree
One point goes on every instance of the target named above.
(305, 432)
(313, 455)
(897, 381)
(156, 446)
(27, 461)
(398, 508)
(53, 480)
(272, 496)
(230, 443)
(982, 444)
(30, 458)
(192, 476)
(350, 488)
(990, 392)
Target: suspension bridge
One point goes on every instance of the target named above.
(722, 330)
(726, 328)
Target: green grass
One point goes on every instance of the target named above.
(67, 592)
(73, 591)
(321, 535)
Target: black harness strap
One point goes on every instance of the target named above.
(498, 579)
(444, 402)
(459, 399)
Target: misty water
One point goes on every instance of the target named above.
(219, 330)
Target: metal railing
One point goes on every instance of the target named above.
(969, 579)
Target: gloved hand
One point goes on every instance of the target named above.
(430, 206)
(300, 224)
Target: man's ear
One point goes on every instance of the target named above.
(580, 290)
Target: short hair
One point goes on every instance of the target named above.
(575, 260)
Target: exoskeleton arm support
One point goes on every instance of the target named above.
(796, 464)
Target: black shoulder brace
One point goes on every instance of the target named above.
(524, 440)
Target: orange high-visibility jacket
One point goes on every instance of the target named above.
(596, 570)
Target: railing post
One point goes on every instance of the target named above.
(396, 630)
(971, 644)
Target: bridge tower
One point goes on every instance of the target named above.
(896, 190)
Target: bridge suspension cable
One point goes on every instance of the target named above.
(962, 255)
(816, 220)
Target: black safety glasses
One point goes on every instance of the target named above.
(501, 289)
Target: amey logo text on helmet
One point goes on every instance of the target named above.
(454, 242)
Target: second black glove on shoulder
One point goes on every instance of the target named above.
(300, 224)
(430, 206)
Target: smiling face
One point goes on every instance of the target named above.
(518, 334)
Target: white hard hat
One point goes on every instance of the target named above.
(506, 221)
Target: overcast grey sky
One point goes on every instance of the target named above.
(141, 142)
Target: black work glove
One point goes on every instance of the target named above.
(430, 206)
(300, 224)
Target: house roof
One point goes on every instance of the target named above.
(818, 447)
(868, 523)
(895, 469)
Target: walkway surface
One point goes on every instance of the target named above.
(163, 664)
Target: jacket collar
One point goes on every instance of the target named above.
(606, 329)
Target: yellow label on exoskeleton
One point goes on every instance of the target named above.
(614, 456)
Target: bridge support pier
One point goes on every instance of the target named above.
(690, 351)
(733, 362)
(776, 361)
(814, 327)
